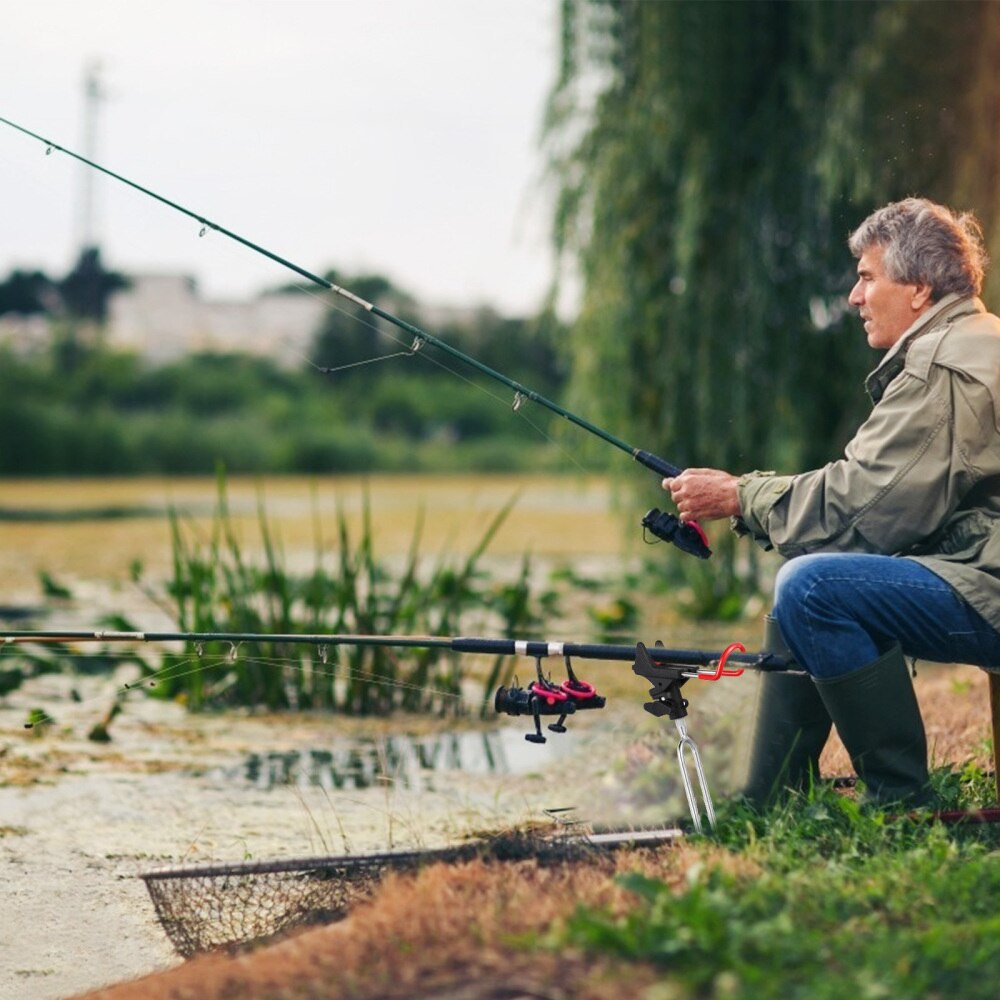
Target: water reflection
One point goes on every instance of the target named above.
(401, 760)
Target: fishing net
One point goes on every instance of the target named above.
(206, 907)
(229, 906)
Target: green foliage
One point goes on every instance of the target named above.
(51, 587)
(711, 159)
(77, 407)
(834, 902)
(10, 679)
(85, 290)
(718, 589)
(86, 410)
(83, 293)
(25, 293)
(614, 617)
(527, 350)
(38, 721)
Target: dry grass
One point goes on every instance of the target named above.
(449, 931)
(560, 517)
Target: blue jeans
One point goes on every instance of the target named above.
(839, 611)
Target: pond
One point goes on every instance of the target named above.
(402, 760)
(91, 532)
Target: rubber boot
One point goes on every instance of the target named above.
(791, 727)
(877, 716)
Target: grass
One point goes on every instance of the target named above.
(219, 583)
(835, 902)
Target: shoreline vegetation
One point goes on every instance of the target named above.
(815, 900)
(220, 581)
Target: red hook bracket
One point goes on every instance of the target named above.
(720, 670)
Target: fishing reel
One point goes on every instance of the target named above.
(688, 536)
(544, 697)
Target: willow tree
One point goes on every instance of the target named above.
(712, 158)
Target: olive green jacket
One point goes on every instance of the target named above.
(921, 478)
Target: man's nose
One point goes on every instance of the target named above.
(857, 296)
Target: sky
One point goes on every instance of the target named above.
(391, 136)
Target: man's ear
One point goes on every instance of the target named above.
(921, 298)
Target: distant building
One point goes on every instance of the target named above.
(161, 317)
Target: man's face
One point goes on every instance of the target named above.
(886, 307)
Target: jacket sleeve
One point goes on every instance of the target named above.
(901, 476)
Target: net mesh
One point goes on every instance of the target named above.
(228, 906)
(231, 906)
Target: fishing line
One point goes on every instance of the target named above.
(359, 364)
(349, 673)
(203, 663)
(119, 691)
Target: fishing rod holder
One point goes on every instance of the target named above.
(544, 697)
(667, 681)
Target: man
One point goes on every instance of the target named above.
(920, 480)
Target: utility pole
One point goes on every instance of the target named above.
(86, 288)
(93, 95)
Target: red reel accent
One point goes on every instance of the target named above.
(580, 690)
(720, 670)
(550, 695)
(704, 539)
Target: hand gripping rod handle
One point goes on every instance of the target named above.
(659, 465)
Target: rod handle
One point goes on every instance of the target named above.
(659, 465)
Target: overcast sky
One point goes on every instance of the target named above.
(398, 136)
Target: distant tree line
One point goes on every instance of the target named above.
(82, 294)
(79, 407)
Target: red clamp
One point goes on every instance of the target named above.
(720, 670)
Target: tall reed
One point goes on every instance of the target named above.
(216, 588)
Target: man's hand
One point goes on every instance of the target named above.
(703, 494)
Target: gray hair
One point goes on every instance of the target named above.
(926, 244)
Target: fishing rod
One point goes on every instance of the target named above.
(667, 670)
(688, 536)
(697, 659)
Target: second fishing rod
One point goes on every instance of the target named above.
(687, 536)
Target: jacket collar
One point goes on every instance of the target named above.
(950, 308)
